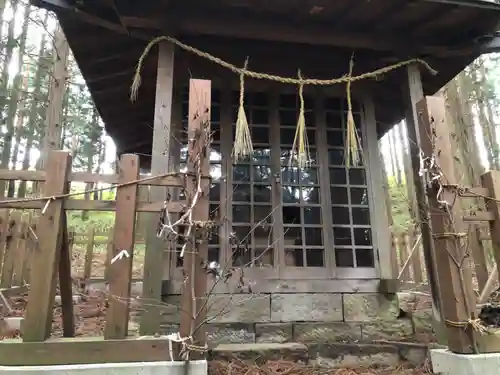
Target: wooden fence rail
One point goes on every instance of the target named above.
(46, 251)
(48, 233)
(411, 269)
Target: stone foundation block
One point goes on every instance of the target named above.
(225, 308)
(368, 307)
(300, 307)
(386, 330)
(327, 332)
(230, 333)
(261, 353)
(273, 332)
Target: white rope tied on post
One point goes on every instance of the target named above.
(172, 337)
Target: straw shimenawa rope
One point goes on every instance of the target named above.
(257, 75)
(242, 140)
(300, 141)
(243, 144)
(353, 145)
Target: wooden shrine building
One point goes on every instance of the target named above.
(326, 225)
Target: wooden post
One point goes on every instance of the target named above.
(193, 307)
(403, 251)
(491, 181)
(9, 260)
(394, 256)
(120, 272)
(153, 260)
(20, 249)
(109, 253)
(38, 318)
(413, 92)
(378, 211)
(415, 257)
(4, 228)
(479, 256)
(65, 282)
(89, 254)
(457, 300)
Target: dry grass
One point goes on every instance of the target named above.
(281, 367)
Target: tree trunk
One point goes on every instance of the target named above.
(392, 154)
(397, 138)
(7, 138)
(41, 69)
(480, 97)
(17, 102)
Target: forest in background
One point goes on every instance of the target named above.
(27, 40)
(472, 103)
(27, 55)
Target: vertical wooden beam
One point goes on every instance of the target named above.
(193, 307)
(226, 209)
(109, 253)
(324, 180)
(153, 261)
(404, 251)
(170, 255)
(20, 250)
(38, 318)
(458, 301)
(4, 228)
(413, 92)
(491, 181)
(65, 282)
(120, 272)
(396, 266)
(9, 260)
(415, 256)
(89, 254)
(277, 191)
(381, 233)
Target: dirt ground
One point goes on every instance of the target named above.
(99, 261)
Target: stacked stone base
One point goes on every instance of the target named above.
(310, 318)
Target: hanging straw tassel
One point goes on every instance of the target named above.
(300, 142)
(353, 145)
(243, 140)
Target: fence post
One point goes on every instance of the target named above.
(4, 228)
(405, 253)
(89, 254)
(65, 281)
(491, 181)
(9, 259)
(457, 300)
(38, 318)
(109, 253)
(193, 307)
(394, 256)
(120, 271)
(415, 256)
(21, 253)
